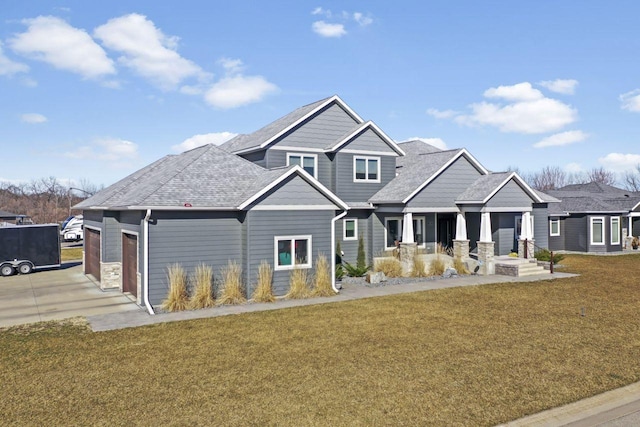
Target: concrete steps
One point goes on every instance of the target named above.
(518, 267)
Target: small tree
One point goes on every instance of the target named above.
(361, 261)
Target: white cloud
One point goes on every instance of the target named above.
(620, 162)
(527, 111)
(436, 142)
(441, 114)
(113, 150)
(562, 138)
(325, 29)
(564, 86)
(319, 11)
(361, 19)
(235, 91)
(631, 101)
(573, 168)
(9, 67)
(33, 118)
(232, 66)
(203, 139)
(147, 51)
(54, 41)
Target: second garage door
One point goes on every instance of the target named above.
(92, 252)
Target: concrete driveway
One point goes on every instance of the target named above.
(56, 294)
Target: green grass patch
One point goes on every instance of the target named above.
(479, 355)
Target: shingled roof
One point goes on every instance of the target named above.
(593, 197)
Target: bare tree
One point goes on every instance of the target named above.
(631, 179)
(602, 176)
(549, 178)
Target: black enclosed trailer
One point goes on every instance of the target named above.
(24, 248)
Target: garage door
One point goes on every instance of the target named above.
(92, 252)
(130, 263)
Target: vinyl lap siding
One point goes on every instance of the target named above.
(541, 226)
(576, 229)
(350, 247)
(112, 239)
(294, 191)
(368, 141)
(510, 196)
(350, 191)
(263, 226)
(190, 238)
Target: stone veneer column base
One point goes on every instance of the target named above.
(110, 275)
(486, 258)
(407, 254)
(531, 250)
(461, 249)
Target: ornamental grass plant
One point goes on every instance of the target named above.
(322, 278)
(177, 298)
(298, 284)
(264, 287)
(232, 289)
(203, 292)
(391, 267)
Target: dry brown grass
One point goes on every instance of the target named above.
(203, 293)
(493, 353)
(460, 266)
(298, 284)
(419, 268)
(71, 254)
(177, 298)
(437, 266)
(391, 267)
(232, 289)
(322, 278)
(264, 288)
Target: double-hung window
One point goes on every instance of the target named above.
(393, 227)
(350, 227)
(366, 169)
(308, 162)
(291, 252)
(554, 227)
(615, 230)
(597, 230)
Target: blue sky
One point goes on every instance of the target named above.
(95, 90)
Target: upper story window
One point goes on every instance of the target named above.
(366, 169)
(554, 227)
(308, 162)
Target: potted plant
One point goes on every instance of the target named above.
(635, 242)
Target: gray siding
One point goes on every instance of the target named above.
(635, 225)
(294, 191)
(350, 191)
(368, 141)
(257, 158)
(557, 243)
(350, 247)
(264, 226)
(278, 158)
(510, 196)
(445, 188)
(111, 237)
(322, 130)
(575, 229)
(190, 238)
(540, 215)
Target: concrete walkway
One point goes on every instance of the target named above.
(350, 292)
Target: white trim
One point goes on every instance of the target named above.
(445, 166)
(132, 233)
(302, 156)
(431, 210)
(591, 221)
(636, 207)
(295, 208)
(369, 124)
(401, 225)
(292, 239)
(332, 261)
(370, 153)
(334, 98)
(99, 230)
(301, 172)
(355, 229)
(145, 261)
(366, 169)
(551, 221)
(291, 148)
(386, 233)
(611, 230)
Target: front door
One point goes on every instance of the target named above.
(130, 263)
(446, 230)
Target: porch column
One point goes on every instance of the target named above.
(526, 234)
(486, 246)
(407, 228)
(461, 243)
(407, 246)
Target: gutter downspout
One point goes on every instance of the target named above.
(145, 261)
(333, 250)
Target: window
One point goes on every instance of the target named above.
(291, 252)
(366, 169)
(308, 162)
(554, 227)
(615, 230)
(597, 231)
(393, 228)
(350, 227)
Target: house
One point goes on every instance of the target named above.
(294, 188)
(11, 218)
(593, 217)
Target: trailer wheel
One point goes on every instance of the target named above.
(25, 268)
(6, 270)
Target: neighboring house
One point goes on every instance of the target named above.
(11, 218)
(593, 217)
(290, 191)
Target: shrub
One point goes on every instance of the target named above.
(177, 299)
(460, 266)
(355, 271)
(545, 255)
(391, 267)
(203, 293)
(231, 292)
(419, 268)
(322, 279)
(298, 287)
(440, 249)
(264, 289)
(339, 271)
(437, 267)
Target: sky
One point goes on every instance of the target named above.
(93, 91)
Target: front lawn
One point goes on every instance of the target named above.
(467, 356)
